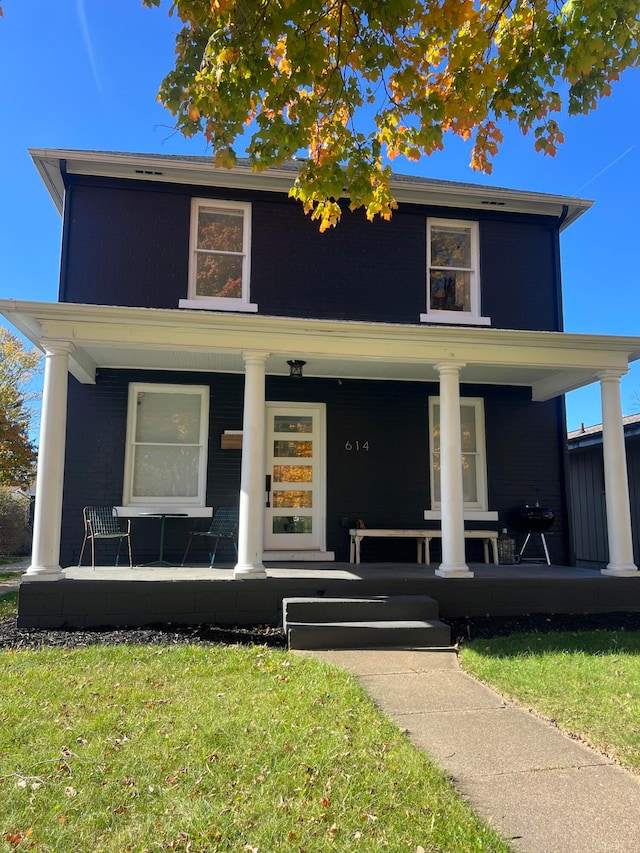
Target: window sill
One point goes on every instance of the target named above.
(468, 515)
(455, 318)
(133, 511)
(218, 304)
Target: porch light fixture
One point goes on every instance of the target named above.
(295, 367)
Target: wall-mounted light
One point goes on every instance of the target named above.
(295, 367)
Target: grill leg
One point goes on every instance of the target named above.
(546, 550)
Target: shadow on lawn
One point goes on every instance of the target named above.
(618, 631)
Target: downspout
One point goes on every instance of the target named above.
(569, 549)
(66, 215)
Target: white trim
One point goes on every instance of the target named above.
(211, 304)
(479, 507)
(473, 315)
(220, 303)
(146, 509)
(128, 499)
(469, 515)
(106, 336)
(201, 171)
(319, 512)
(459, 318)
(300, 556)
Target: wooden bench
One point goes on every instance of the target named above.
(487, 536)
(423, 539)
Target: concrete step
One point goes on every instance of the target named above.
(368, 635)
(405, 621)
(370, 608)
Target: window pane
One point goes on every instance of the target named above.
(468, 427)
(292, 473)
(166, 472)
(292, 448)
(168, 418)
(469, 479)
(219, 275)
(436, 428)
(292, 423)
(450, 291)
(220, 229)
(296, 500)
(436, 478)
(451, 246)
(292, 524)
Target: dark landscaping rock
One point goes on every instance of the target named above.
(463, 630)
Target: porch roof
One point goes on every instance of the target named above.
(550, 363)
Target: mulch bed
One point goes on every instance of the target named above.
(464, 630)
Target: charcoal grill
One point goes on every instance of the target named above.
(536, 519)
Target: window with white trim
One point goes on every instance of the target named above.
(219, 256)
(166, 452)
(453, 272)
(473, 460)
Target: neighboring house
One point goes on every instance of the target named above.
(434, 362)
(588, 505)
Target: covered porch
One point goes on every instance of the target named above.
(83, 339)
(118, 597)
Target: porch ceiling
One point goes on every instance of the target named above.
(550, 363)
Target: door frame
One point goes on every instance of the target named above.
(320, 465)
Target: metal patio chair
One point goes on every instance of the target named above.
(102, 522)
(224, 525)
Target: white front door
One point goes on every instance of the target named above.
(295, 459)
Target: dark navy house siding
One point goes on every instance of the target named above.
(128, 244)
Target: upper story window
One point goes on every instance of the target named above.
(166, 452)
(220, 253)
(473, 461)
(453, 271)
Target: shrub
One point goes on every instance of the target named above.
(15, 532)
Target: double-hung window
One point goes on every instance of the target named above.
(473, 460)
(453, 274)
(166, 452)
(220, 255)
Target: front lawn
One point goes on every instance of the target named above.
(588, 682)
(198, 748)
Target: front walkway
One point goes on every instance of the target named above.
(541, 790)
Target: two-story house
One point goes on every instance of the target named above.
(431, 348)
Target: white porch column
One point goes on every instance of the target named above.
(45, 554)
(616, 483)
(252, 477)
(451, 492)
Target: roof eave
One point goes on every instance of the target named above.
(50, 164)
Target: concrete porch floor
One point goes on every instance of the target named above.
(190, 595)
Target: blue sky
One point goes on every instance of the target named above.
(81, 74)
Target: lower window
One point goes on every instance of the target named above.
(473, 460)
(166, 453)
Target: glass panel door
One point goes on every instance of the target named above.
(294, 458)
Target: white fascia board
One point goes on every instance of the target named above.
(194, 330)
(176, 171)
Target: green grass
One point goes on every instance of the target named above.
(211, 748)
(7, 576)
(9, 605)
(588, 682)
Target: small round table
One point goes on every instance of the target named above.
(163, 516)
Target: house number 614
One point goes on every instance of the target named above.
(356, 445)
